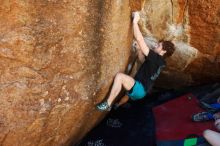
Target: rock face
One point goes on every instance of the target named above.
(58, 59)
(194, 26)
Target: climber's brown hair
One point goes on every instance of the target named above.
(169, 47)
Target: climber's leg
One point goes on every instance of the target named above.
(120, 80)
(122, 101)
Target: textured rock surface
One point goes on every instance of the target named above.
(194, 26)
(58, 59)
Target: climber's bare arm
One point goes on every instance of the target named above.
(138, 36)
(139, 52)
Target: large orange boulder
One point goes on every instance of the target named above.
(58, 59)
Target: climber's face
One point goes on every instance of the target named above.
(159, 49)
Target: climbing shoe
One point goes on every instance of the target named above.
(202, 116)
(103, 106)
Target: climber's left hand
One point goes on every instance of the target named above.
(136, 17)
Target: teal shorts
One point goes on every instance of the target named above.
(137, 91)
